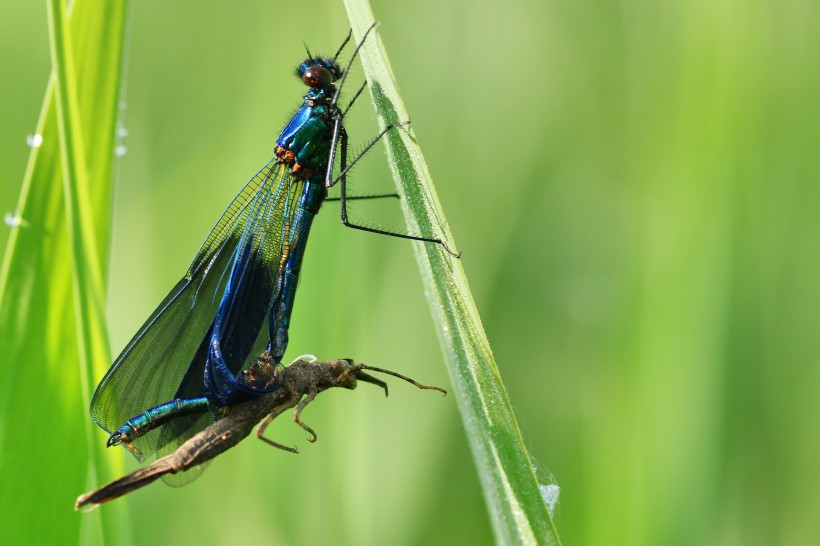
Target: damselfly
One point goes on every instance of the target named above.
(185, 363)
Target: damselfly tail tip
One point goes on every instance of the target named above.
(114, 439)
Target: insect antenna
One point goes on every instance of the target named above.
(369, 379)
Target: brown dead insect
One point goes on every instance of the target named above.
(300, 382)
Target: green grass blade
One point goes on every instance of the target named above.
(518, 511)
(52, 328)
(87, 267)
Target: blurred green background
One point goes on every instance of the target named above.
(634, 188)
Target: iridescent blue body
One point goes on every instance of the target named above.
(305, 145)
(193, 348)
(194, 355)
(159, 415)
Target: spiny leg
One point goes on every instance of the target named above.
(338, 131)
(343, 198)
(344, 166)
(349, 64)
(341, 47)
(340, 135)
(353, 100)
(363, 197)
(260, 432)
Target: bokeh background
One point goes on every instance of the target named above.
(634, 188)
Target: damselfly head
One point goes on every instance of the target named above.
(318, 73)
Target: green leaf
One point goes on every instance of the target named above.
(53, 336)
(518, 511)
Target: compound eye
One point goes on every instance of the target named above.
(317, 77)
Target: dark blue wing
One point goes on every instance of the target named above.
(166, 358)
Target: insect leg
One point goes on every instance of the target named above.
(349, 64)
(341, 47)
(343, 198)
(356, 96)
(363, 197)
(400, 376)
(297, 414)
(260, 432)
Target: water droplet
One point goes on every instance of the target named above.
(550, 494)
(120, 150)
(34, 140)
(122, 130)
(123, 105)
(14, 219)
